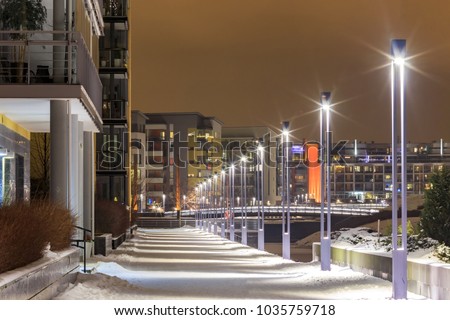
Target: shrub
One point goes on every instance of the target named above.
(435, 218)
(59, 224)
(443, 253)
(111, 217)
(26, 231)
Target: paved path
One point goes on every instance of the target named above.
(187, 263)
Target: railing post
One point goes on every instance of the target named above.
(69, 57)
(27, 46)
(84, 250)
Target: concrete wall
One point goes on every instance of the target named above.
(42, 279)
(430, 279)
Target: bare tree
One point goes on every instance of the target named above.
(40, 165)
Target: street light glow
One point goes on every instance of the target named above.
(399, 61)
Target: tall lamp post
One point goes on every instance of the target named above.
(286, 221)
(196, 207)
(399, 253)
(222, 203)
(325, 141)
(209, 186)
(215, 187)
(231, 213)
(205, 223)
(260, 157)
(244, 200)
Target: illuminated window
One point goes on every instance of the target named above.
(339, 169)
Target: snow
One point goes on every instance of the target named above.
(187, 263)
(48, 256)
(364, 239)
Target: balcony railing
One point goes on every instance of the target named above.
(56, 57)
(115, 8)
(114, 110)
(114, 58)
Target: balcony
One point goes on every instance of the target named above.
(115, 8)
(114, 110)
(114, 59)
(39, 66)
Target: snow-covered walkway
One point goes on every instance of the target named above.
(187, 263)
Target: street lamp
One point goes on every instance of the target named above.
(222, 202)
(215, 187)
(231, 213)
(204, 206)
(244, 200)
(399, 254)
(196, 204)
(325, 140)
(286, 221)
(260, 151)
(209, 186)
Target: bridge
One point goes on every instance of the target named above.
(304, 219)
(309, 210)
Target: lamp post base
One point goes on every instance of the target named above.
(232, 232)
(244, 235)
(286, 246)
(261, 239)
(215, 228)
(325, 254)
(222, 229)
(399, 274)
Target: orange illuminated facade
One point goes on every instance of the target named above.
(313, 163)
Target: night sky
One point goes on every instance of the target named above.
(259, 62)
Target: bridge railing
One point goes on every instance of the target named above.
(344, 209)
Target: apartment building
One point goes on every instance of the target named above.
(363, 171)
(113, 159)
(180, 151)
(52, 86)
(240, 142)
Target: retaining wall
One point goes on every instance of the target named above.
(42, 279)
(429, 279)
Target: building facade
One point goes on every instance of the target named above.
(363, 171)
(54, 87)
(180, 151)
(239, 142)
(113, 158)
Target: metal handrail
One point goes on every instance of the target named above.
(78, 245)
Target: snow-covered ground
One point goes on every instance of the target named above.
(365, 239)
(187, 263)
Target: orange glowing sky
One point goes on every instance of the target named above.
(258, 62)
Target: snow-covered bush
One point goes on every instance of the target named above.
(443, 253)
(366, 237)
(27, 230)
